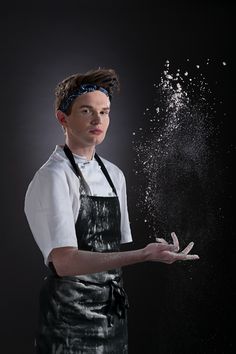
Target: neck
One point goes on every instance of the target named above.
(88, 151)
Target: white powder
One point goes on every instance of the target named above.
(173, 150)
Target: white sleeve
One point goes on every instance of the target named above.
(126, 235)
(48, 209)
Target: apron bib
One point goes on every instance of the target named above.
(86, 314)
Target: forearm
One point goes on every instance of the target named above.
(76, 262)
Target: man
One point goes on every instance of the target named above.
(76, 207)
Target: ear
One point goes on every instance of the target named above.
(62, 118)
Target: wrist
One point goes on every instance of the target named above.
(144, 254)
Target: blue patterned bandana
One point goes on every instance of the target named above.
(66, 102)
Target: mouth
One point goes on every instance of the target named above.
(96, 131)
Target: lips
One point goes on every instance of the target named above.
(96, 131)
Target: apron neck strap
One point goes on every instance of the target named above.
(76, 169)
(79, 174)
(104, 170)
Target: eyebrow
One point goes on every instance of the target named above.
(88, 106)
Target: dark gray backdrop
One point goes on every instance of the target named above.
(174, 309)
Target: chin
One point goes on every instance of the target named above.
(99, 141)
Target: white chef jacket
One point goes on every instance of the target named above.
(52, 200)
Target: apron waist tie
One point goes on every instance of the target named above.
(118, 301)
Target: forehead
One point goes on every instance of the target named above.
(94, 99)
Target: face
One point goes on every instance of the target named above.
(87, 124)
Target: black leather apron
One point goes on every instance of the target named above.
(86, 314)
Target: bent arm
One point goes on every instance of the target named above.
(69, 261)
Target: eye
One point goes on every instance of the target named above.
(86, 111)
(104, 113)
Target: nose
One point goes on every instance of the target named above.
(96, 118)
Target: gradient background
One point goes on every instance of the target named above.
(182, 308)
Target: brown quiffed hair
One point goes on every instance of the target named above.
(105, 78)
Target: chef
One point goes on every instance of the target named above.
(76, 207)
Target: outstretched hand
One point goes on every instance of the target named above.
(165, 252)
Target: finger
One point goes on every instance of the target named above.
(185, 257)
(191, 257)
(175, 240)
(161, 240)
(187, 249)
